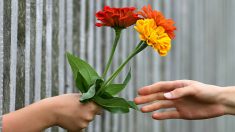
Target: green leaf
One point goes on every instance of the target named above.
(114, 89)
(106, 95)
(114, 105)
(86, 71)
(98, 83)
(89, 94)
(92, 90)
(81, 83)
(132, 105)
(128, 77)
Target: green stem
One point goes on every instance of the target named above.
(141, 46)
(117, 37)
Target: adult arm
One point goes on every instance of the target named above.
(187, 99)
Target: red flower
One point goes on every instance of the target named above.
(159, 18)
(117, 17)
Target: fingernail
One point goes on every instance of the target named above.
(168, 95)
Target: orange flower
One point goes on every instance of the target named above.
(117, 17)
(167, 24)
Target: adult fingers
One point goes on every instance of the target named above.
(163, 86)
(158, 105)
(181, 92)
(149, 98)
(166, 115)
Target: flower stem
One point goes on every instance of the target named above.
(141, 46)
(117, 37)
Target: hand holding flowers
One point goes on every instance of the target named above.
(154, 30)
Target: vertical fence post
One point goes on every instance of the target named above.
(38, 50)
(69, 43)
(27, 52)
(61, 42)
(49, 19)
(1, 54)
(13, 59)
(82, 27)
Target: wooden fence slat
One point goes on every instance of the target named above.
(27, 52)
(1, 54)
(13, 59)
(61, 42)
(82, 26)
(69, 43)
(38, 50)
(49, 21)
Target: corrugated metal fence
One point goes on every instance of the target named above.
(35, 34)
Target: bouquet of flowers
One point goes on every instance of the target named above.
(154, 31)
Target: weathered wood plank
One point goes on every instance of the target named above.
(1, 54)
(49, 21)
(82, 27)
(38, 50)
(13, 58)
(27, 52)
(20, 68)
(69, 43)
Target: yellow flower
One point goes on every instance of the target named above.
(155, 36)
(146, 29)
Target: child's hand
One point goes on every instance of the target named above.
(65, 111)
(71, 114)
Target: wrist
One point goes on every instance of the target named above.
(227, 99)
(35, 117)
(49, 112)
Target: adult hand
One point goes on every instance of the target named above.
(189, 99)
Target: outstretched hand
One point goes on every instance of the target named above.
(65, 111)
(189, 100)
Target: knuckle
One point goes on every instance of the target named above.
(147, 88)
(93, 106)
(176, 92)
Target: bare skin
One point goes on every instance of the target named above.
(65, 111)
(190, 100)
